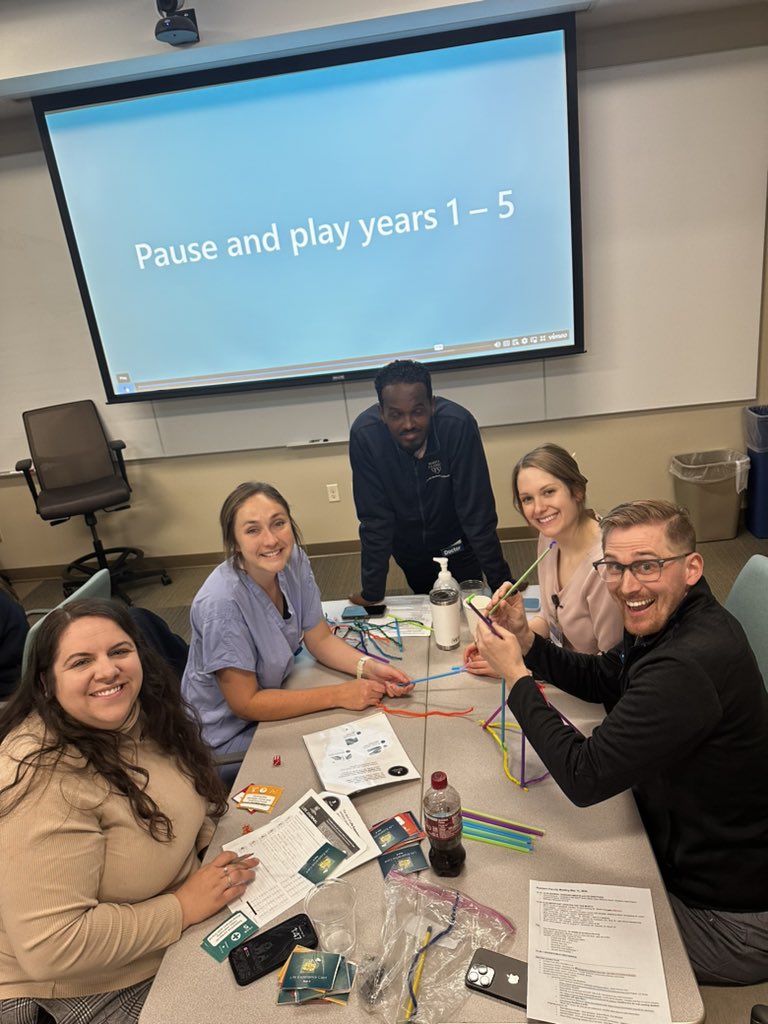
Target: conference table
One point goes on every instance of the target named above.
(602, 844)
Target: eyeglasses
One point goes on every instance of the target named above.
(646, 570)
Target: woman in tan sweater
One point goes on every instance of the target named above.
(106, 792)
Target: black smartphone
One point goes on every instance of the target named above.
(498, 975)
(376, 610)
(270, 949)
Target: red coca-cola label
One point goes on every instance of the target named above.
(444, 827)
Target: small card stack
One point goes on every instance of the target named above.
(255, 799)
(309, 976)
(399, 840)
(322, 863)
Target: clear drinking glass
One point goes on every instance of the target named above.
(331, 908)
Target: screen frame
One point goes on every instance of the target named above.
(308, 60)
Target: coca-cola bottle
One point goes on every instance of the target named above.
(442, 823)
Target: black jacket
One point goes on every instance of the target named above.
(13, 633)
(688, 733)
(411, 505)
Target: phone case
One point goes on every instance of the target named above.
(498, 975)
(269, 950)
(354, 611)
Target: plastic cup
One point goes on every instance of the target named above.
(331, 908)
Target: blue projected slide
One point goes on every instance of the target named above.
(324, 221)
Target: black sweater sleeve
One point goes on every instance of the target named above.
(475, 504)
(375, 514)
(664, 713)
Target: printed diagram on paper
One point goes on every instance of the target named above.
(359, 755)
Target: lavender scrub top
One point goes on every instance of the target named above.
(235, 625)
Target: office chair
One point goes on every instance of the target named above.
(748, 602)
(79, 471)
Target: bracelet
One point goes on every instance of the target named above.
(361, 667)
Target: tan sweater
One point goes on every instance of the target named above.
(86, 900)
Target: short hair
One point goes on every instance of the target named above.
(234, 501)
(552, 459)
(679, 529)
(402, 371)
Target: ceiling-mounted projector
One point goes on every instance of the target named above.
(176, 27)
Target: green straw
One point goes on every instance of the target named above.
(494, 842)
(523, 578)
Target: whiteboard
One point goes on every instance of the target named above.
(673, 156)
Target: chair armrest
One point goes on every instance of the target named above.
(25, 466)
(234, 758)
(117, 447)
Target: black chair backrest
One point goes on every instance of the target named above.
(68, 445)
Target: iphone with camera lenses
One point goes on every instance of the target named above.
(497, 975)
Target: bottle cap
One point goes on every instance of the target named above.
(439, 780)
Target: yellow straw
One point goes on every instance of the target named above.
(419, 970)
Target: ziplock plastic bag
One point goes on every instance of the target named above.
(429, 935)
(712, 467)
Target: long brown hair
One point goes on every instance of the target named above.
(167, 720)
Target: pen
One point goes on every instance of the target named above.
(523, 578)
(486, 620)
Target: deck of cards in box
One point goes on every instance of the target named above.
(310, 975)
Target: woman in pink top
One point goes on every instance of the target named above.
(577, 610)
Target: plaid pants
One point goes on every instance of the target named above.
(120, 1007)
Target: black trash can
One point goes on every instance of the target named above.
(756, 431)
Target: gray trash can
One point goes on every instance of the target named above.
(710, 484)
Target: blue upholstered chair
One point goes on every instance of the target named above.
(98, 585)
(748, 602)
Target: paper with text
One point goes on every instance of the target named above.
(286, 844)
(594, 955)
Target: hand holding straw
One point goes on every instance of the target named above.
(523, 578)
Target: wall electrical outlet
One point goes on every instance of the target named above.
(333, 492)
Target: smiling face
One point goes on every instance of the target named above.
(647, 607)
(96, 673)
(407, 411)
(547, 502)
(263, 537)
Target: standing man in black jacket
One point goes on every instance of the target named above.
(421, 486)
(687, 731)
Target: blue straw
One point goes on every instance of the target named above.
(427, 679)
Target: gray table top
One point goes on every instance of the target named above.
(601, 844)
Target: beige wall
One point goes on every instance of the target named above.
(177, 500)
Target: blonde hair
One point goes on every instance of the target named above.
(676, 519)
